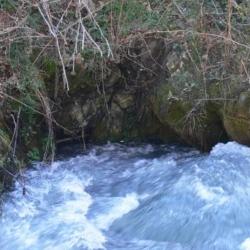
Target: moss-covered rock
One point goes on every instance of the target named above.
(115, 123)
(5, 150)
(152, 129)
(236, 120)
(5, 143)
(197, 122)
(5, 137)
(110, 126)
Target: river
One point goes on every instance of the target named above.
(134, 197)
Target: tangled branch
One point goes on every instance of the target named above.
(68, 24)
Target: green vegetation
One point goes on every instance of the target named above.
(130, 16)
(8, 5)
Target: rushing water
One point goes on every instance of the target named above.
(133, 197)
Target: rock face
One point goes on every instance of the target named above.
(155, 92)
(117, 106)
(196, 123)
(117, 110)
(236, 118)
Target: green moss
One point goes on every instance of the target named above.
(215, 90)
(237, 128)
(49, 66)
(177, 111)
(236, 116)
(8, 5)
(81, 80)
(132, 15)
(4, 140)
(197, 123)
(169, 106)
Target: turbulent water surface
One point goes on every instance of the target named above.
(133, 197)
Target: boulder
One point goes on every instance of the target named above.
(236, 118)
(196, 122)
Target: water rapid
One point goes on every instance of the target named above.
(132, 198)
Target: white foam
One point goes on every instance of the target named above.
(24, 209)
(204, 192)
(73, 184)
(56, 164)
(123, 206)
(73, 212)
(213, 195)
(26, 236)
(230, 148)
(86, 235)
(140, 163)
(80, 231)
(245, 245)
(67, 217)
(80, 234)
